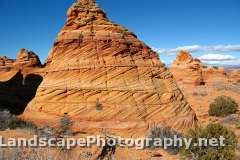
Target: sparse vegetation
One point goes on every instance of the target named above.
(197, 152)
(223, 106)
(65, 125)
(162, 133)
(99, 106)
(10, 121)
(41, 154)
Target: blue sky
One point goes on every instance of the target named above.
(209, 28)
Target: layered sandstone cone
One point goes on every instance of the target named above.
(99, 73)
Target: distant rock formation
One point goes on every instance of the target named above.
(5, 62)
(27, 58)
(235, 74)
(188, 70)
(19, 80)
(95, 62)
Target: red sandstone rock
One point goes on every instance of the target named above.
(27, 58)
(187, 69)
(94, 60)
(5, 62)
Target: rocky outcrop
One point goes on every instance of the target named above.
(27, 58)
(186, 69)
(19, 80)
(5, 62)
(95, 62)
(235, 75)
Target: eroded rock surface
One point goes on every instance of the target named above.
(95, 61)
(187, 69)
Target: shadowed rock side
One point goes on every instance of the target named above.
(18, 91)
(19, 80)
(95, 62)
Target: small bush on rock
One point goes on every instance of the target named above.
(7, 120)
(223, 106)
(207, 152)
(10, 121)
(163, 133)
(65, 125)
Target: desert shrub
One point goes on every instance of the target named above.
(207, 152)
(223, 106)
(40, 154)
(162, 133)
(7, 120)
(99, 106)
(46, 132)
(65, 125)
(10, 121)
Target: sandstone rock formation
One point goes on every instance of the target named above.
(27, 58)
(5, 62)
(235, 74)
(19, 80)
(187, 69)
(24, 59)
(95, 62)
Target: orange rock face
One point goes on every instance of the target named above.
(95, 62)
(235, 74)
(187, 69)
(27, 58)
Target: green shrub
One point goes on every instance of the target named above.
(223, 106)
(162, 133)
(226, 152)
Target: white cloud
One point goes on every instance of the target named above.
(219, 59)
(199, 48)
(225, 63)
(216, 57)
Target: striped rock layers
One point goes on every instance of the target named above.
(99, 71)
